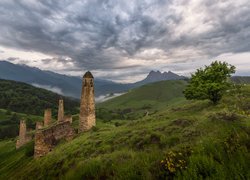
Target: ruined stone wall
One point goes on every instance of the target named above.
(39, 125)
(47, 139)
(87, 107)
(68, 118)
(23, 137)
(60, 111)
(47, 117)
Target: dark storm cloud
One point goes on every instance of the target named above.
(101, 34)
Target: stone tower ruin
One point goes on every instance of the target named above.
(60, 111)
(22, 134)
(47, 117)
(87, 107)
(23, 138)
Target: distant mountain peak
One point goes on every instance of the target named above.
(163, 74)
(71, 86)
(155, 76)
(153, 73)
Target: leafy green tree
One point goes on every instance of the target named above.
(24, 98)
(210, 82)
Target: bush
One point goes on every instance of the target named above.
(210, 82)
(175, 161)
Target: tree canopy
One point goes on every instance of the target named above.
(210, 82)
(24, 98)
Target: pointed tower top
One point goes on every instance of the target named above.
(88, 75)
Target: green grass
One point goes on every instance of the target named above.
(25, 101)
(154, 94)
(137, 102)
(9, 123)
(4, 114)
(212, 142)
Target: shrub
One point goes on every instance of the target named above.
(175, 161)
(210, 82)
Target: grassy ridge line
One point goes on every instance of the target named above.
(154, 94)
(147, 99)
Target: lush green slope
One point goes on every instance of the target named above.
(187, 140)
(25, 101)
(24, 98)
(137, 102)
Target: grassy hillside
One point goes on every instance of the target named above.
(137, 102)
(20, 100)
(184, 140)
(24, 98)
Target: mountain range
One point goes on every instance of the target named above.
(71, 85)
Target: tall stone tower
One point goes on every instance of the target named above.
(60, 111)
(87, 106)
(22, 134)
(47, 117)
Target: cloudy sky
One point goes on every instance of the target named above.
(123, 40)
